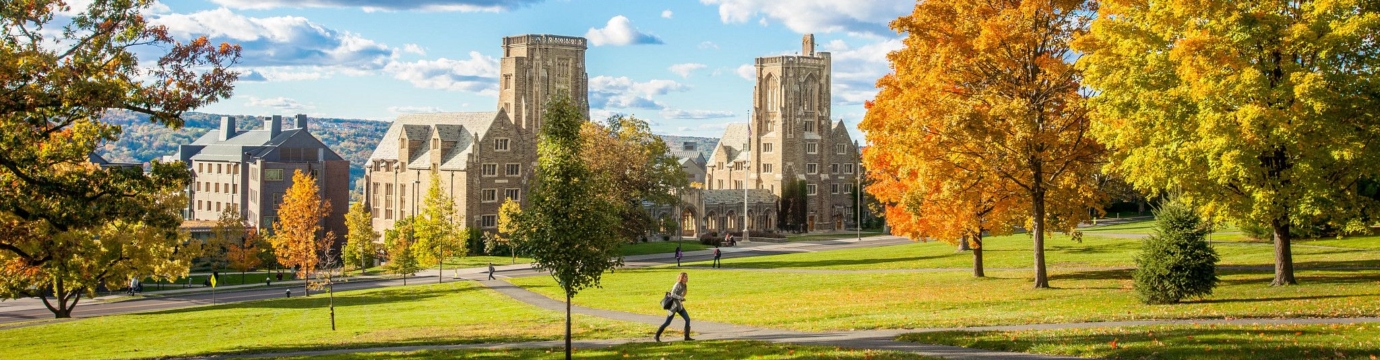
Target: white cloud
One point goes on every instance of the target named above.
(622, 92)
(685, 69)
(383, 5)
(620, 32)
(708, 45)
(823, 16)
(280, 103)
(666, 13)
(679, 114)
(414, 48)
(414, 109)
(478, 74)
(252, 75)
(600, 114)
(856, 70)
(747, 71)
(280, 41)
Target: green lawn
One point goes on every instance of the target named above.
(814, 301)
(672, 350)
(457, 312)
(226, 279)
(831, 236)
(479, 261)
(660, 247)
(1191, 342)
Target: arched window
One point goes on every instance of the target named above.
(731, 223)
(773, 93)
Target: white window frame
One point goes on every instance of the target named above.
(811, 189)
(269, 174)
(488, 221)
(512, 193)
(834, 168)
(501, 144)
(767, 168)
(508, 169)
(839, 149)
(834, 188)
(488, 195)
(766, 147)
(847, 168)
(812, 168)
(811, 148)
(489, 170)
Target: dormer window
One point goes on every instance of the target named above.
(501, 144)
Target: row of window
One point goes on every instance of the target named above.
(810, 148)
(509, 170)
(834, 188)
(210, 168)
(491, 195)
(206, 186)
(813, 168)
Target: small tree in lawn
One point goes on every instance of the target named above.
(360, 245)
(438, 234)
(1176, 262)
(243, 254)
(507, 225)
(399, 245)
(295, 234)
(568, 226)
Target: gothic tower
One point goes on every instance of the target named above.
(537, 67)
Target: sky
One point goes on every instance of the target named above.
(682, 65)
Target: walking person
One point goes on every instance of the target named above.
(678, 255)
(491, 271)
(717, 254)
(677, 296)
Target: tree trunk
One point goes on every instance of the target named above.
(977, 255)
(1038, 201)
(963, 245)
(567, 325)
(62, 295)
(1284, 257)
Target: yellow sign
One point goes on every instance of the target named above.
(213, 281)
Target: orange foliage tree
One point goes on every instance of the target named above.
(981, 125)
(296, 239)
(243, 253)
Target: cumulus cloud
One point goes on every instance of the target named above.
(747, 71)
(280, 41)
(384, 5)
(414, 48)
(620, 32)
(622, 92)
(478, 74)
(823, 16)
(708, 45)
(856, 70)
(685, 69)
(280, 103)
(666, 13)
(679, 114)
(252, 75)
(414, 109)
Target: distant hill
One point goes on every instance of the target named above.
(143, 141)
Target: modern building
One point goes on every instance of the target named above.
(479, 158)
(251, 170)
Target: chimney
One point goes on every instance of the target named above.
(274, 125)
(227, 128)
(808, 45)
(302, 121)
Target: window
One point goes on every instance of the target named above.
(514, 169)
(501, 144)
(388, 202)
(490, 170)
(721, 184)
(771, 125)
(810, 189)
(268, 222)
(766, 147)
(273, 174)
(200, 167)
(688, 146)
(198, 204)
(847, 188)
(218, 169)
(766, 168)
(810, 126)
(507, 81)
(833, 168)
(217, 206)
(198, 186)
(847, 168)
(512, 194)
(488, 221)
(811, 148)
(838, 149)
(737, 184)
(812, 168)
(490, 195)
(834, 188)
(217, 187)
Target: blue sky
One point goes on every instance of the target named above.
(682, 65)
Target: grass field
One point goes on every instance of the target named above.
(831, 236)
(1190, 342)
(813, 301)
(660, 247)
(673, 350)
(459, 312)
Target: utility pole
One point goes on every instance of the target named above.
(747, 165)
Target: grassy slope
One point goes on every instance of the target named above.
(458, 312)
(660, 247)
(674, 350)
(1190, 342)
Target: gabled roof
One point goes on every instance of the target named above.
(256, 143)
(731, 144)
(457, 126)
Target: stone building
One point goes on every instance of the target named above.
(479, 158)
(251, 170)
(791, 138)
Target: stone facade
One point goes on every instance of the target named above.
(791, 138)
(251, 170)
(479, 158)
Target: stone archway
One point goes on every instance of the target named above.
(689, 223)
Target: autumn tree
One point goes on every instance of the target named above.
(297, 237)
(361, 240)
(61, 70)
(991, 84)
(244, 254)
(566, 226)
(228, 231)
(399, 244)
(507, 226)
(1261, 112)
(638, 166)
(440, 235)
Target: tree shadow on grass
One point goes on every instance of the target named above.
(1269, 298)
(1223, 342)
(1335, 277)
(712, 349)
(1108, 274)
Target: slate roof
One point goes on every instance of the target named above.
(456, 126)
(735, 136)
(735, 196)
(256, 143)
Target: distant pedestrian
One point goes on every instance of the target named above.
(678, 255)
(133, 285)
(677, 296)
(491, 271)
(728, 239)
(717, 254)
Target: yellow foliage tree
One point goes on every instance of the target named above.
(297, 238)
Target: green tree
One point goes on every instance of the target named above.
(361, 240)
(507, 225)
(1176, 262)
(1261, 112)
(60, 73)
(637, 165)
(399, 243)
(439, 234)
(567, 225)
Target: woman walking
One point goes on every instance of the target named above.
(677, 296)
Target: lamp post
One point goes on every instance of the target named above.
(412, 228)
(857, 190)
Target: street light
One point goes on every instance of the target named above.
(857, 190)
